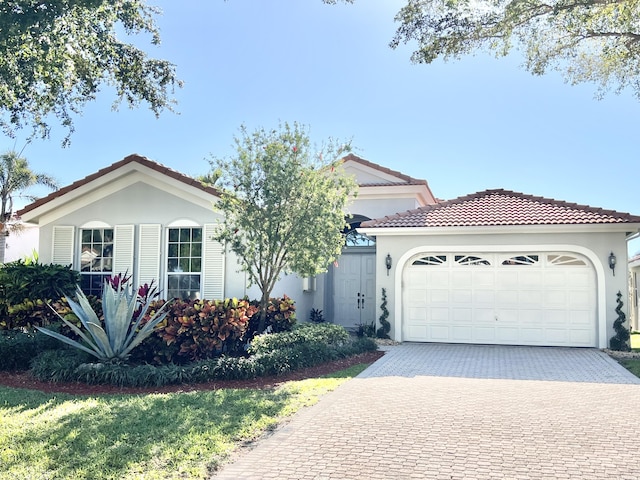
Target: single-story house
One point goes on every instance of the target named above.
(494, 267)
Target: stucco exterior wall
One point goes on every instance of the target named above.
(595, 246)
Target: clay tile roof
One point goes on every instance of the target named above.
(406, 178)
(125, 161)
(502, 207)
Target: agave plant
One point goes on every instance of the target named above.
(123, 312)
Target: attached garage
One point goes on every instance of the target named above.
(523, 298)
(502, 267)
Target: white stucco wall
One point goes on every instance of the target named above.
(595, 246)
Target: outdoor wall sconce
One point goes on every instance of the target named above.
(387, 262)
(612, 263)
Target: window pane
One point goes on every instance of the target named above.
(107, 265)
(173, 250)
(185, 250)
(196, 250)
(86, 236)
(196, 265)
(97, 236)
(173, 234)
(173, 265)
(184, 265)
(196, 235)
(108, 235)
(185, 234)
(194, 283)
(107, 250)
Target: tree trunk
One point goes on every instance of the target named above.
(264, 303)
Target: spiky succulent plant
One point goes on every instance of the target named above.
(123, 311)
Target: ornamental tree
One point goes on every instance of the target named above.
(56, 55)
(596, 41)
(283, 202)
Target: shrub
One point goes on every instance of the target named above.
(385, 326)
(327, 333)
(316, 316)
(69, 365)
(25, 290)
(18, 349)
(281, 316)
(198, 329)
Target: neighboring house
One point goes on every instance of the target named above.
(495, 267)
(22, 243)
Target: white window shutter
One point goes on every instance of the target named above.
(123, 249)
(149, 254)
(62, 252)
(212, 265)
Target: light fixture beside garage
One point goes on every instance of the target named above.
(388, 263)
(612, 263)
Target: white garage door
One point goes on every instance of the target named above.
(500, 298)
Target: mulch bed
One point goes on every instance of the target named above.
(24, 380)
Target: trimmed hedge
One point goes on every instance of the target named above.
(327, 333)
(64, 365)
(17, 349)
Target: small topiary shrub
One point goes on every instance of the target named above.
(385, 326)
(620, 341)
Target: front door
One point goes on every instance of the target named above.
(354, 289)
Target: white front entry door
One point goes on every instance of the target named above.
(501, 298)
(354, 293)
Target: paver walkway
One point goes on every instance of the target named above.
(462, 412)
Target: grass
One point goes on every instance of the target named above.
(156, 436)
(631, 364)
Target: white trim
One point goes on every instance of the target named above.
(593, 258)
(183, 222)
(94, 224)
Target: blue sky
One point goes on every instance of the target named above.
(464, 126)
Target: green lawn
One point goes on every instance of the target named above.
(158, 436)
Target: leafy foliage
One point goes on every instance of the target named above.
(385, 326)
(27, 287)
(282, 202)
(589, 41)
(316, 316)
(279, 357)
(121, 330)
(18, 349)
(196, 330)
(55, 57)
(327, 333)
(280, 316)
(620, 341)
(15, 178)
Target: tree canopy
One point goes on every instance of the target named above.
(55, 56)
(596, 41)
(283, 202)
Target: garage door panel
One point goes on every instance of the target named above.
(439, 315)
(461, 296)
(439, 333)
(462, 315)
(484, 315)
(483, 296)
(484, 334)
(505, 299)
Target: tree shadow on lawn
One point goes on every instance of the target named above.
(157, 435)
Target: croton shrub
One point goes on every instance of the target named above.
(201, 329)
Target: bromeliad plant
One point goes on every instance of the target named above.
(123, 312)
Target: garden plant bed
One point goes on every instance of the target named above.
(24, 380)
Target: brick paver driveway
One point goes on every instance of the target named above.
(463, 412)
